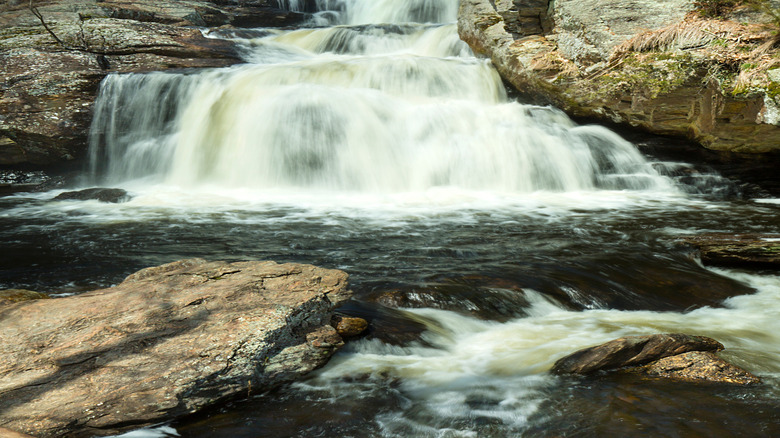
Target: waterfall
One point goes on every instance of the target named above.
(363, 107)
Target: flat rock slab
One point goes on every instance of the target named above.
(632, 351)
(166, 342)
(743, 250)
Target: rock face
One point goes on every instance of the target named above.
(650, 64)
(674, 356)
(743, 250)
(166, 342)
(47, 89)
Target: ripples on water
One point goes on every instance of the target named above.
(513, 235)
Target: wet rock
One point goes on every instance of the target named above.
(485, 298)
(13, 181)
(166, 342)
(742, 250)
(632, 351)
(698, 366)
(391, 326)
(349, 327)
(625, 62)
(97, 193)
(10, 296)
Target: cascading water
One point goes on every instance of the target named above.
(373, 141)
(367, 108)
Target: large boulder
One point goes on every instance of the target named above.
(47, 88)
(672, 356)
(657, 65)
(166, 342)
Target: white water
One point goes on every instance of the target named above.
(506, 363)
(381, 109)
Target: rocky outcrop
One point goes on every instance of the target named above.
(655, 65)
(166, 342)
(47, 87)
(741, 250)
(673, 356)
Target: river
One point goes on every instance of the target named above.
(375, 142)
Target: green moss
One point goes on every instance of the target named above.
(651, 74)
(773, 90)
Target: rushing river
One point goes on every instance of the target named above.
(375, 142)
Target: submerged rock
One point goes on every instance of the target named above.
(166, 342)
(742, 250)
(97, 193)
(673, 356)
(660, 66)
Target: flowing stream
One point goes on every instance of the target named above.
(375, 142)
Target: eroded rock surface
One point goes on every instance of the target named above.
(650, 64)
(166, 342)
